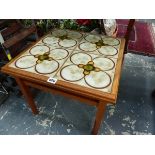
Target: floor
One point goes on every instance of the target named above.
(133, 114)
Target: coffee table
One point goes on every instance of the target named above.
(78, 65)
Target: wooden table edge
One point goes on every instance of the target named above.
(109, 97)
(62, 85)
(118, 69)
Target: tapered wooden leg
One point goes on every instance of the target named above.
(99, 115)
(28, 95)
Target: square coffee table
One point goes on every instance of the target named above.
(79, 65)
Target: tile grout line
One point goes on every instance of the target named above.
(69, 55)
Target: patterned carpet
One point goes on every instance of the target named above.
(142, 37)
(133, 114)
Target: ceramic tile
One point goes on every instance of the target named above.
(62, 39)
(89, 70)
(100, 45)
(48, 55)
(81, 58)
(41, 60)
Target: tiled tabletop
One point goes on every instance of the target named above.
(81, 58)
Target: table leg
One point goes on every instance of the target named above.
(99, 115)
(28, 95)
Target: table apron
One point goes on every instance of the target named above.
(109, 99)
(72, 95)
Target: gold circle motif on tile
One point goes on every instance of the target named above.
(50, 40)
(98, 80)
(39, 49)
(92, 38)
(58, 33)
(74, 34)
(47, 67)
(111, 41)
(72, 73)
(58, 53)
(108, 50)
(67, 43)
(26, 61)
(104, 63)
(88, 47)
(80, 58)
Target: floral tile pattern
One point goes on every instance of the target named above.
(80, 58)
(101, 45)
(88, 70)
(62, 39)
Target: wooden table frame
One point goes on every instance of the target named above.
(92, 97)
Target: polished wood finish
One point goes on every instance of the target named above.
(101, 107)
(27, 94)
(92, 97)
(61, 92)
(118, 70)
